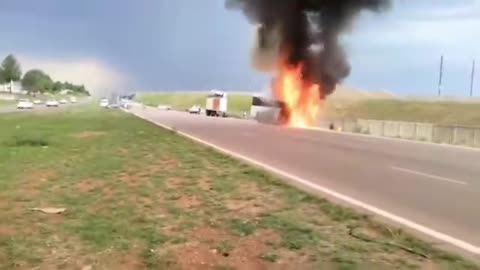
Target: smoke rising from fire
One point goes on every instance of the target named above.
(304, 33)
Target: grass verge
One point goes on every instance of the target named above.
(6, 102)
(439, 112)
(140, 197)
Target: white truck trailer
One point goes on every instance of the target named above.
(217, 103)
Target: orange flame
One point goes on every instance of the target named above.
(301, 98)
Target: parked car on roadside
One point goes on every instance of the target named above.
(63, 101)
(195, 109)
(113, 106)
(164, 107)
(24, 104)
(52, 103)
(104, 103)
(37, 102)
(73, 100)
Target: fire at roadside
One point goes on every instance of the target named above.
(299, 41)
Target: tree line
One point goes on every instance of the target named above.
(34, 80)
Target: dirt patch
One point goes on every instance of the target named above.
(129, 261)
(197, 256)
(130, 179)
(34, 180)
(249, 187)
(429, 265)
(108, 192)
(123, 151)
(41, 175)
(205, 184)
(176, 182)
(289, 260)
(243, 253)
(4, 202)
(187, 202)
(250, 200)
(72, 256)
(88, 185)
(89, 134)
(251, 208)
(168, 163)
(209, 234)
(6, 230)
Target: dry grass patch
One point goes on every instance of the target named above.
(88, 134)
(188, 202)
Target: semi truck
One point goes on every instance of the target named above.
(217, 103)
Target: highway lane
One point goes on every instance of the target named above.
(435, 186)
(40, 107)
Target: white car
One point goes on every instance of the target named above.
(37, 102)
(164, 107)
(24, 104)
(52, 103)
(195, 109)
(104, 103)
(73, 100)
(63, 101)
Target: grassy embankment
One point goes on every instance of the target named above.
(140, 197)
(440, 112)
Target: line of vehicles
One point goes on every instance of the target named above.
(217, 105)
(27, 104)
(117, 103)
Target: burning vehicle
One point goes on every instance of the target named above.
(299, 40)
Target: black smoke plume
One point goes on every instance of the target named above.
(305, 32)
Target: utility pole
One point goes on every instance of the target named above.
(440, 77)
(472, 79)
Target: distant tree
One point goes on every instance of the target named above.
(57, 86)
(2, 80)
(11, 70)
(36, 80)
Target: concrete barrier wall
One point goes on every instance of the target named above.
(408, 130)
(363, 126)
(375, 127)
(424, 132)
(350, 126)
(464, 136)
(443, 134)
(428, 132)
(476, 141)
(391, 129)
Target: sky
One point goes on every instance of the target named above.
(168, 45)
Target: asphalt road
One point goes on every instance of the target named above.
(13, 108)
(435, 186)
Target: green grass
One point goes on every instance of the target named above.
(441, 112)
(139, 197)
(6, 102)
(237, 103)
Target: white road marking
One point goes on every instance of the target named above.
(400, 220)
(440, 178)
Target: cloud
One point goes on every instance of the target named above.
(98, 77)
